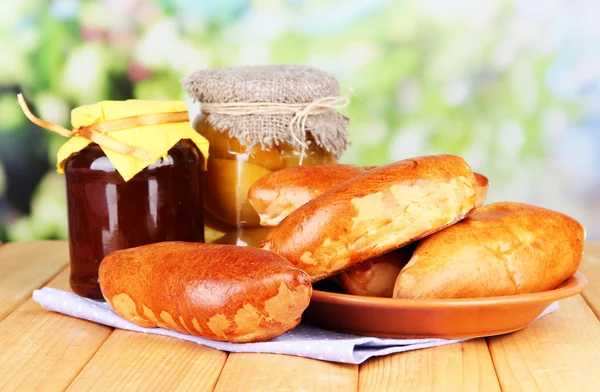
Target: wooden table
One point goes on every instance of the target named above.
(40, 350)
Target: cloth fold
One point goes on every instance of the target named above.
(304, 340)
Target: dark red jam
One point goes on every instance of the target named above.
(161, 203)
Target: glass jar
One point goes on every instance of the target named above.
(257, 120)
(232, 168)
(163, 202)
(251, 236)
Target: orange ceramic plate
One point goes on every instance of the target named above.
(435, 318)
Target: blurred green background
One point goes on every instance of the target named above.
(512, 86)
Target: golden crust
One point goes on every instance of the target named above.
(278, 194)
(374, 213)
(375, 277)
(482, 189)
(501, 249)
(218, 292)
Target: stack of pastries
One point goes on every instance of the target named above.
(416, 228)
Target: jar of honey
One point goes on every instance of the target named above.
(133, 174)
(259, 120)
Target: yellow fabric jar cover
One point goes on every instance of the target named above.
(156, 139)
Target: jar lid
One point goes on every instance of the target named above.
(269, 105)
(133, 134)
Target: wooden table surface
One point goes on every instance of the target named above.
(41, 350)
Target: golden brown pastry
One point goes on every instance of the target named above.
(375, 277)
(219, 292)
(482, 189)
(276, 195)
(378, 211)
(501, 249)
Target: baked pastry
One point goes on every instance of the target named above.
(375, 277)
(482, 189)
(219, 292)
(501, 249)
(276, 195)
(374, 213)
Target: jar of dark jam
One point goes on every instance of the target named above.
(163, 202)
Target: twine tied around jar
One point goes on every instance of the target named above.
(271, 105)
(97, 132)
(299, 111)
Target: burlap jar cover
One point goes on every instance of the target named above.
(269, 105)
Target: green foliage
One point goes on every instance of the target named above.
(12, 117)
(441, 79)
(2, 179)
(48, 213)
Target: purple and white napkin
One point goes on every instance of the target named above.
(304, 340)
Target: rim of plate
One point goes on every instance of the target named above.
(572, 286)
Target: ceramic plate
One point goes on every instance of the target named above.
(436, 318)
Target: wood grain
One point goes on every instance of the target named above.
(590, 267)
(42, 350)
(140, 362)
(558, 352)
(25, 267)
(251, 372)
(465, 366)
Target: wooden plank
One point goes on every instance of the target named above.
(42, 350)
(273, 372)
(26, 266)
(590, 267)
(130, 361)
(558, 352)
(465, 366)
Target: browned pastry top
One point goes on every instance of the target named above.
(501, 249)
(276, 195)
(380, 210)
(217, 291)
